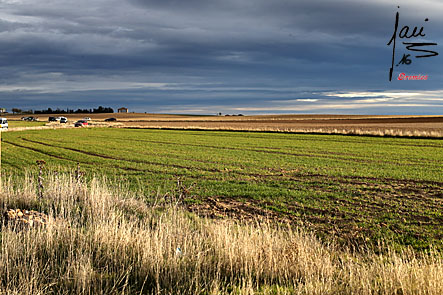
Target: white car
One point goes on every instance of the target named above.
(3, 123)
(63, 120)
(87, 119)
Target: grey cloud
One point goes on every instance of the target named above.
(337, 45)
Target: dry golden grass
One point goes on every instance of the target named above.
(108, 241)
(401, 131)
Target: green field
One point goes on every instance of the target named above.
(358, 189)
(13, 124)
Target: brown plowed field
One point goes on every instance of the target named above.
(427, 126)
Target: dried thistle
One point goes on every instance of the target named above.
(41, 164)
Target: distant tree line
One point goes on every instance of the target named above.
(98, 110)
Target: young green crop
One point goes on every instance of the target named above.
(356, 188)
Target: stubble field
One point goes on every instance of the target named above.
(406, 126)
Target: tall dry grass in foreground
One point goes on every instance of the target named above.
(108, 241)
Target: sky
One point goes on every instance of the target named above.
(211, 56)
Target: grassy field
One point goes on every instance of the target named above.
(357, 189)
(14, 124)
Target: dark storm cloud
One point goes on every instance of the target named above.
(172, 54)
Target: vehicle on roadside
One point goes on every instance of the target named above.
(4, 123)
(81, 123)
(52, 119)
(63, 120)
(110, 119)
(87, 119)
(29, 119)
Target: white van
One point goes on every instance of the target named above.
(3, 123)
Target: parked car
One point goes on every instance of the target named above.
(87, 119)
(52, 119)
(81, 123)
(110, 119)
(29, 119)
(63, 120)
(3, 123)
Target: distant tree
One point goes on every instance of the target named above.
(84, 111)
(48, 111)
(16, 111)
(102, 109)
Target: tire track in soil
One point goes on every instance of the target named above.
(345, 159)
(123, 159)
(63, 158)
(281, 153)
(41, 152)
(153, 154)
(405, 189)
(352, 179)
(213, 170)
(176, 173)
(269, 148)
(153, 163)
(295, 176)
(384, 207)
(262, 151)
(88, 163)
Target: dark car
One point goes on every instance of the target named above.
(81, 123)
(29, 119)
(52, 119)
(110, 119)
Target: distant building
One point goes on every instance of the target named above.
(123, 110)
(2, 110)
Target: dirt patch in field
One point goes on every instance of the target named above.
(350, 209)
